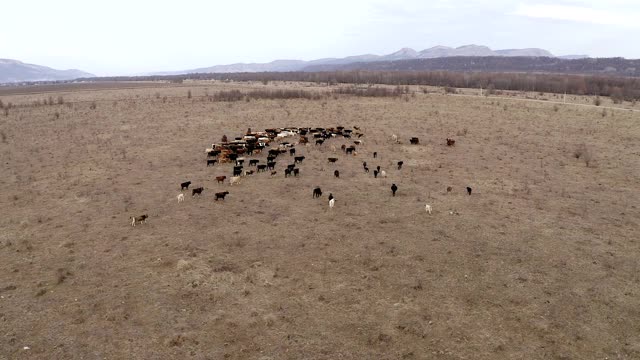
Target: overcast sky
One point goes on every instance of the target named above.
(135, 36)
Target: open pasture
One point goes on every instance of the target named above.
(541, 261)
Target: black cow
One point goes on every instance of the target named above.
(317, 192)
(332, 160)
(185, 185)
(330, 196)
(237, 172)
(298, 159)
(253, 162)
(262, 167)
(239, 162)
(414, 141)
(400, 164)
(375, 173)
(221, 195)
(350, 150)
(292, 152)
(287, 172)
(336, 173)
(469, 190)
(197, 191)
(296, 172)
(375, 154)
(394, 188)
(291, 166)
(211, 162)
(319, 142)
(271, 165)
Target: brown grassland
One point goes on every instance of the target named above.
(540, 262)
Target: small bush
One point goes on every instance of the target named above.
(93, 105)
(597, 101)
(556, 108)
(189, 94)
(51, 100)
(56, 115)
(450, 90)
(1, 104)
(60, 100)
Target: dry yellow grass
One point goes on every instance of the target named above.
(541, 262)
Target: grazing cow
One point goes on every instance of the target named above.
(332, 160)
(234, 180)
(375, 174)
(237, 172)
(273, 173)
(248, 172)
(428, 208)
(375, 154)
(350, 150)
(139, 219)
(400, 164)
(262, 168)
(319, 141)
(366, 169)
(336, 173)
(469, 190)
(211, 162)
(274, 152)
(298, 159)
(332, 203)
(449, 188)
(358, 142)
(383, 174)
(180, 197)
(221, 195)
(220, 179)
(253, 162)
(450, 142)
(296, 172)
(394, 137)
(292, 152)
(414, 141)
(287, 172)
(394, 188)
(317, 192)
(197, 191)
(185, 185)
(343, 147)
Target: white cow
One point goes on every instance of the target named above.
(332, 203)
(428, 208)
(180, 197)
(234, 180)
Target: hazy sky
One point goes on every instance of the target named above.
(134, 36)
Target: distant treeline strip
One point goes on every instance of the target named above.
(621, 87)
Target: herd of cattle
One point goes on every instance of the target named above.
(280, 141)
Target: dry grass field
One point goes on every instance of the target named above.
(540, 262)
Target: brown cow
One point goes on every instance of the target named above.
(220, 178)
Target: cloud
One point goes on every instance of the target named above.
(580, 14)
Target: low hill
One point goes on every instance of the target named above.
(13, 71)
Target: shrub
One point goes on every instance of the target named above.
(189, 94)
(450, 90)
(556, 108)
(1, 104)
(93, 105)
(60, 100)
(597, 101)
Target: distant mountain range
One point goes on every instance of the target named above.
(402, 54)
(12, 71)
